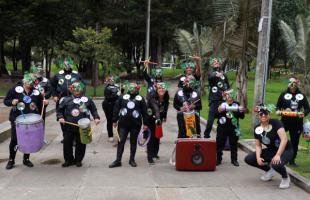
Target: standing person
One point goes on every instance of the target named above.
(23, 99)
(293, 100)
(71, 109)
(229, 113)
(62, 81)
(278, 153)
(129, 114)
(157, 103)
(191, 69)
(218, 83)
(111, 94)
(156, 76)
(186, 100)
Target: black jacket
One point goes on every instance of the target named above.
(157, 110)
(225, 118)
(187, 96)
(217, 85)
(46, 85)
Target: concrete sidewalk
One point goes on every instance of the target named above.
(48, 180)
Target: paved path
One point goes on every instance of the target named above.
(48, 180)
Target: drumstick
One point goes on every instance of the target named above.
(72, 124)
(42, 107)
(191, 104)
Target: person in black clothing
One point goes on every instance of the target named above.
(156, 76)
(292, 99)
(218, 83)
(278, 153)
(23, 97)
(157, 104)
(71, 109)
(193, 70)
(129, 114)
(111, 94)
(186, 100)
(229, 113)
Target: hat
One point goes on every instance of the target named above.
(77, 86)
(264, 108)
(293, 81)
(215, 62)
(232, 93)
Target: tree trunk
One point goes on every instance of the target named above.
(14, 55)
(242, 85)
(3, 69)
(159, 50)
(25, 54)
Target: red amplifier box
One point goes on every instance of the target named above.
(195, 154)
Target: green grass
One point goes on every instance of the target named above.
(169, 73)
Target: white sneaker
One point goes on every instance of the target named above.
(268, 175)
(285, 183)
(111, 139)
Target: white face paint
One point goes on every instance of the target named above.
(130, 105)
(19, 89)
(135, 114)
(138, 98)
(299, 97)
(84, 99)
(288, 96)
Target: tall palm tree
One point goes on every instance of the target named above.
(298, 46)
(197, 43)
(237, 20)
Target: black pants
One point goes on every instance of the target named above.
(294, 135)
(221, 138)
(108, 111)
(182, 128)
(80, 148)
(123, 134)
(213, 106)
(153, 145)
(13, 144)
(267, 155)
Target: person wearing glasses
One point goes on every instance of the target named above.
(278, 151)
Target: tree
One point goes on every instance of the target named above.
(298, 46)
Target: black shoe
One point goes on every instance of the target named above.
(78, 164)
(293, 164)
(207, 135)
(28, 163)
(156, 157)
(68, 163)
(132, 163)
(10, 164)
(218, 162)
(115, 164)
(235, 162)
(151, 161)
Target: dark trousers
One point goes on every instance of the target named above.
(182, 127)
(123, 134)
(213, 106)
(108, 111)
(80, 148)
(267, 155)
(294, 135)
(13, 144)
(153, 145)
(221, 138)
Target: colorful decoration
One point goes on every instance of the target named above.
(78, 86)
(262, 107)
(232, 93)
(215, 62)
(293, 81)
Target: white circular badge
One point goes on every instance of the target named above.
(130, 105)
(220, 84)
(259, 130)
(138, 98)
(299, 97)
(135, 114)
(68, 76)
(123, 111)
(84, 99)
(126, 96)
(19, 89)
(222, 120)
(75, 112)
(44, 80)
(35, 92)
(182, 78)
(180, 93)
(76, 101)
(214, 89)
(288, 96)
(61, 71)
(194, 95)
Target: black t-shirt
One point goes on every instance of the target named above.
(269, 136)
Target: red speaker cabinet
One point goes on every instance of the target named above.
(197, 154)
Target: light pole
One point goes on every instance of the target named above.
(147, 40)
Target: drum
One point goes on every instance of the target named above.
(306, 131)
(85, 130)
(30, 133)
(190, 123)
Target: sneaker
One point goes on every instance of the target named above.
(156, 157)
(235, 163)
(133, 163)
(268, 175)
(151, 161)
(10, 164)
(111, 139)
(115, 164)
(285, 183)
(68, 164)
(28, 163)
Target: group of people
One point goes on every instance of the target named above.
(129, 112)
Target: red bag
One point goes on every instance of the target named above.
(158, 131)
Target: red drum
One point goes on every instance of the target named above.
(195, 154)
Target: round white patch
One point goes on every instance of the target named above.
(214, 89)
(299, 97)
(35, 92)
(126, 96)
(75, 72)
(135, 114)
(77, 100)
(19, 89)
(220, 84)
(68, 76)
(75, 112)
(182, 78)
(84, 99)
(44, 80)
(222, 120)
(20, 106)
(61, 71)
(123, 111)
(62, 98)
(223, 77)
(229, 115)
(194, 95)
(259, 130)
(61, 81)
(138, 98)
(269, 128)
(149, 111)
(130, 105)
(180, 93)
(288, 96)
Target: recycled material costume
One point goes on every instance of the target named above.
(193, 69)
(278, 153)
(129, 114)
(218, 83)
(152, 80)
(71, 109)
(186, 100)
(229, 113)
(157, 108)
(111, 94)
(293, 100)
(23, 99)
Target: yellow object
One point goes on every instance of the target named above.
(190, 123)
